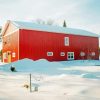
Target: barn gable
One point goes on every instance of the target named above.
(8, 28)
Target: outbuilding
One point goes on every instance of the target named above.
(35, 41)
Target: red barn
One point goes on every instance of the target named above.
(34, 41)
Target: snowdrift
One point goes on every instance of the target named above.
(28, 65)
(85, 69)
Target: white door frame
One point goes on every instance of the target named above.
(4, 56)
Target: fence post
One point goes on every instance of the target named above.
(30, 84)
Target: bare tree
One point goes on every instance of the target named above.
(47, 22)
(40, 21)
(50, 22)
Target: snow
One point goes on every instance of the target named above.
(28, 65)
(48, 28)
(65, 80)
(87, 68)
(60, 87)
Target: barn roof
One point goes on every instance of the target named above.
(48, 28)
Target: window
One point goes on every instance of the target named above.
(93, 53)
(82, 54)
(49, 53)
(13, 54)
(66, 41)
(4, 55)
(62, 54)
(70, 55)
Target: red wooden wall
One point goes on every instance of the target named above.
(36, 44)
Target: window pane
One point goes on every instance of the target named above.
(49, 53)
(69, 54)
(72, 57)
(66, 40)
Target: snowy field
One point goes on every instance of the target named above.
(66, 80)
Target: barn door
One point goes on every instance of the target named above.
(70, 55)
(9, 56)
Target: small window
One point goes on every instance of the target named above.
(49, 53)
(66, 41)
(13, 54)
(93, 53)
(62, 54)
(70, 55)
(82, 54)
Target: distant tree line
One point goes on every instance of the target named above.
(50, 22)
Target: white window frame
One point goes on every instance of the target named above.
(62, 53)
(49, 53)
(66, 41)
(69, 55)
(13, 54)
(82, 54)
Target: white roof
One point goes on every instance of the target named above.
(48, 28)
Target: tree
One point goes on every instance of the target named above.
(40, 21)
(0, 29)
(64, 24)
(47, 22)
(0, 54)
(50, 22)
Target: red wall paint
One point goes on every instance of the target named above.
(36, 44)
(11, 45)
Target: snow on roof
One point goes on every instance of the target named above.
(48, 28)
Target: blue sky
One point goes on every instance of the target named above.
(83, 14)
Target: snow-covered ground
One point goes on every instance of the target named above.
(66, 80)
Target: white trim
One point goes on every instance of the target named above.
(15, 24)
(18, 43)
(11, 33)
(49, 53)
(69, 54)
